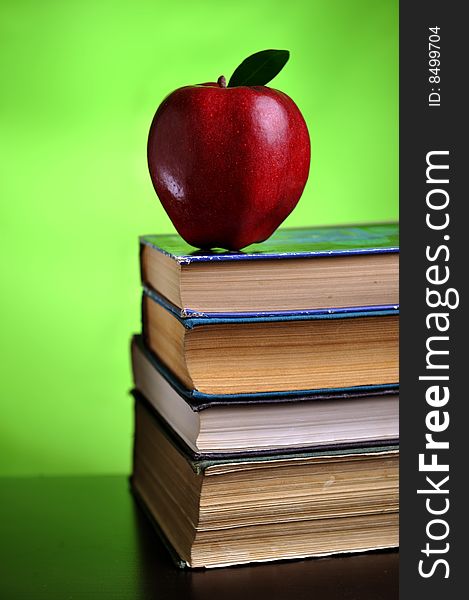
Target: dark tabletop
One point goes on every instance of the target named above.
(84, 537)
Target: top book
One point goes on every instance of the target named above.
(295, 270)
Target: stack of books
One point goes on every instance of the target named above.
(266, 387)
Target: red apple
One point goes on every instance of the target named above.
(229, 164)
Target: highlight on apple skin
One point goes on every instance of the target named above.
(229, 163)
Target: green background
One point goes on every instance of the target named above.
(80, 83)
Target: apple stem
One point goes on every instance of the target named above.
(222, 81)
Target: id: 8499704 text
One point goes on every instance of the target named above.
(434, 56)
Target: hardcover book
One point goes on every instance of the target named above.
(230, 511)
(295, 352)
(294, 270)
(217, 426)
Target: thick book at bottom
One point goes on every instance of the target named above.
(246, 509)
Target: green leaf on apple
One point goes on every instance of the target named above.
(259, 68)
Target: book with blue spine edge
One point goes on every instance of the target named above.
(197, 349)
(295, 271)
